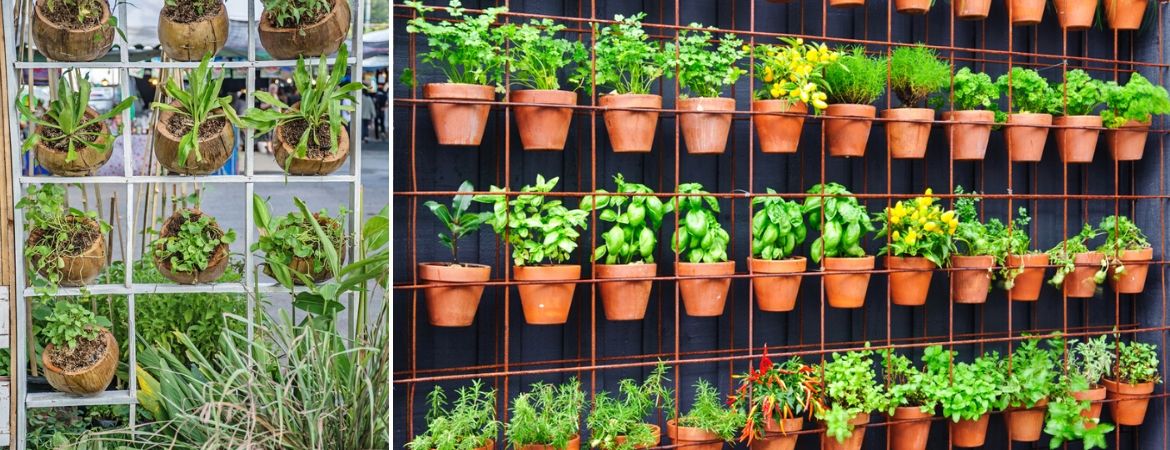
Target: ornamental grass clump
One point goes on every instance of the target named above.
(546, 415)
(852, 85)
(709, 418)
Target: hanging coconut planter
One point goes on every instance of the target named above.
(317, 33)
(85, 370)
(83, 257)
(1078, 142)
(779, 133)
(631, 131)
(213, 145)
(547, 303)
(316, 271)
(544, 127)
(173, 240)
(968, 133)
(453, 305)
(705, 123)
(624, 299)
(189, 30)
(320, 158)
(847, 127)
(54, 156)
(60, 35)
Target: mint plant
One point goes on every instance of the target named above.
(612, 417)
(198, 105)
(846, 221)
(539, 230)
(627, 61)
(1064, 421)
(636, 220)
(705, 69)
(536, 55)
(546, 415)
(1138, 100)
(710, 414)
(65, 126)
(458, 221)
(466, 424)
(916, 73)
(189, 248)
(850, 389)
(777, 227)
(909, 386)
(1033, 372)
(1029, 92)
(699, 238)
(1078, 95)
(974, 388)
(468, 49)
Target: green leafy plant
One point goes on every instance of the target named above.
(1063, 256)
(1138, 100)
(1029, 92)
(704, 69)
(538, 229)
(198, 8)
(1137, 362)
(68, 325)
(546, 415)
(794, 72)
(775, 391)
(850, 388)
(57, 231)
(65, 126)
(700, 237)
(636, 220)
(1030, 371)
(856, 78)
(1009, 239)
(197, 106)
(972, 237)
(190, 248)
(777, 227)
(1121, 234)
(1064, 421)
(1078, 95)
(626, 60)
(708, 413)
(535, 55)
(1090, 360)
(316, 239)
(469, 422)
(296, 13)
(458, 221)
(916, 73)
(909, 386)
(846, 221)
(974, 90)
(974, 388)
(612, 417)
(919, 227)
(467, 49)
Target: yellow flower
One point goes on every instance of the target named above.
(894, 219)
(777, 91)
(819, 104)
(895, 235)
(929, 192)
(768, 77)
(746, 48)
(923, 202)
(930, 226)
(911, 237)
(799, 41)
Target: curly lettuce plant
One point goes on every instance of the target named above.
(468, 49)
(1029, 92)
(699, 238)
(919, 227)
(856, 78)
(1139, 100)
(846, 221)
(916, 73)
(974, 91)
(1121, 234)
(546, 415)
(777, 227)
(775, 392)
(974, 388)
(710, 414)
(612, 417)
(636, 220)
(539, 230)
(467, 423)
(535, 55)
(627, 60)
(850, 389)
(705, 69)
(794, 71)
(1063, 256)
(1078, 95)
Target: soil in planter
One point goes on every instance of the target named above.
(316, 150)
(78, 241)
(86, 354)
(185, 12)
(310, 17)
(173, 228)
(180, 124)
(67, 17)
(62, 145)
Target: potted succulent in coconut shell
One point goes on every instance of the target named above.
(703, 71)
(292, 28)
(787, 87)
(80, 355)
(469, 422)
(454, 305)
(915, 74)
(191, 29)
(535, 56)
(191, 248)
(972, 114)
(300, 248)
(73, 30)
(65, 246)
(309, 137)
(193, 133)
(70, 138)
(628, 62)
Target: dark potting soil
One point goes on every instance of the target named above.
(318, 146)
(180, 124)
(191, 11)
(77, 240)
(310, 17)
(62, 145)
(65, 16)
(86, 354)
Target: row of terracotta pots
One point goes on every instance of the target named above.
(1073, 14)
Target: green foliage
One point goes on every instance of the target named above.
(1009, 240)
(916, 73)
(538, 229)
(68, 324)
(850, 388)
(199, 103)
(66, 115)
(1138, 100)
(907, 385)
(1089, 360)
(57, 225)
(458, 221)
(700, 237)
(85, 9)
(626, 60)
(546, 415)
(636, 220)
(1029, 92)
(845, 221)
(191, 249)
(708, 413)
(1065, 422)
(316, 238)
(919, 227)
(536, 55)
(775, 391)
(974, 90)
(1078, 95)
(198, 6)
(612, 417)
(856, 78)
(972, 237)
(467, 49)
(1137, 362)
(296, 13)
(974, 388)
(777, 227)
(1030, 371)
(704, 69)
(1121, 234)
(1063, 256)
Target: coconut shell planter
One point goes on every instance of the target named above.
(60, 35)
(82, 259)
(85, 370)
(217, 259)
(187, 33)
(317, 272)
(317, 36)
(321, 157)
(216, 140)
(54, 156)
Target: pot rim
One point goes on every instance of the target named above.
(221, 13)
(161, 128)
(103, 22)
(104, 334)
(263, 23)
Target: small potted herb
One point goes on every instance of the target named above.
(708, 424)
(704, 70)
(290, 29)
(972, 392)
(1023, 269)
(910, 395)
(73, 30)
(975, 252)
(627, 62)
(535, 56)
(921, 239)
(1088, 362)
(1073, 102)
(1128, 252)
(627, 250)
(193, 134)
(1131, 380)
(65, 246)
(842, 221)
(1026, 12)
(701, 245)
(70, 138)
(777, 230)
(853, 84)
(1066, 417)
(1078, 270)
(1125, 14)
(190, 29)
(80, 355)
(775, 396)
(309, 137)
(467, 423)
(915, 73)
(543, 234)
(454, 305)
(791, 77)
(1076, 15)
(619, 424)
(1030, 377)
(851, 394)
(1027, 119)
(469, 50)
(547, 417)
(191, 248)
(1128, 112)
(972, 114)
(300, 248)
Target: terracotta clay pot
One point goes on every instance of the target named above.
(59, 43)
(909, 429)
(848, 136)
(316, 39)
(909, 288)
(779, 133)
(692, 438)
(625, 300)
(1094, 397)
(491, 444)
(779, 435)
(969, 136)
(543, 127)
(191, 41)
(1133, 279)
(846, 3)
(1128, 143)
(1076, 15)
(453, 306)
(972, 9)
(654, 429)
(1080, 283)
(1129, 401)
(907, 140)
(214, 150)
(547, 303)
(631, 131)
(88, 380)
(284, 150)
(1031, 278)
(1077, 145)
(847, 290)
(573, 444)
(971, 286)
(777, 294)
(1125, 14)
(854, 441)
(1025, 424)
(969, 433)
(912, 6)
(1026, 12)
(705, 133)
(1026, 134)
(87, 161)
(704, 297)
(217, 262)
(80, 269)
(459, 124)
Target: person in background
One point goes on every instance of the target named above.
(380, 100)
(368, 114)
